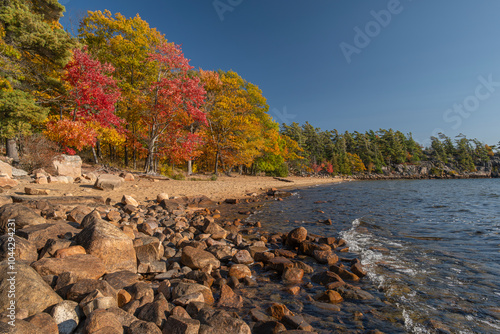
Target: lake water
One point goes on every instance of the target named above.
(431, 249)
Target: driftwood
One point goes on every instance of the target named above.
(282, 179)
(154, 177)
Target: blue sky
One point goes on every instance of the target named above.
(417, 66)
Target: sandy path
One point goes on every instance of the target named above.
(143, 189)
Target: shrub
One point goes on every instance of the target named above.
(179, 177)
(37, 151)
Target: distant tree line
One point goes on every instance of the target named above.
(348, 153)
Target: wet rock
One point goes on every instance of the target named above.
(240, 271)
(301, 265)
(326, 277)
(344, 274)
(297, 322)
(285, 253)
(196, 258)
(330, 296)
(102, 321)
(229, 299)
(293, 275)
(296, 236)
(67, 165)
(178, 325)
(82, 266)
(278, 311)
(67, 315)
(358, 270)
(110, 244)
(108, 182)
(325, 257)
(23, 250)
(350, 292)
(32, 292)
(23, 217)
(264, 257)
(280, 264)
(268, 327)
(44, 322)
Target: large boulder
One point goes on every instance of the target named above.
(296, 236)
(22, 216)
(5, 169)
(108, 182)
(39, 234)
(110, 244)
(32, 293)
(68, 165)
(221, 322)
(7, 183)
(196, 258)
(22, 249)
(81, 266)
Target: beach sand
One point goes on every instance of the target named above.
(146, 189)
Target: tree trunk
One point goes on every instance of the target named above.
(11, 148)
(190, 167)
(98, 149)
(216, 167)
(125, 155)
(95, 156)
(134, 158)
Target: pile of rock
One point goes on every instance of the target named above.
(165, 267)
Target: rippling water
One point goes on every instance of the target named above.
(431, 247)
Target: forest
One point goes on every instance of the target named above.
(118, 93)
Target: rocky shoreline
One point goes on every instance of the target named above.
(183, 265)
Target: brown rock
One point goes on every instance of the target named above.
(277, 311)
(78, 214)
(42, 180)
(186, 289)
(128, 177)
(228, 298)
(82, 288)
(113, 216)
(216, 231)
(32, 292)
(344, 274)
(325, 256)
(110, 244)
(121, 279)
(293, 275)
(196, 258)
(242, 257)
(293, 290)
(358, 270)
(178, 325)
(143, 327)
(96, 300)
(36, 191)
(40, 234)
(162, 196)
(23, 217)
(23, 250)
(102, 321)
(326, 277)
(268, 327)
(44, 322)
(73, 250)
(285, 253)
(330, 296)
(263, 257)
(5, 200)
(240, 271)
(155, 312)
(52, 245)
(296, 236)
(280, 264)
(180, 312)
(82, 266)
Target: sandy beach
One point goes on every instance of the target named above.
(146, 189)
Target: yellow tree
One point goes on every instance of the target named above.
(235, 111)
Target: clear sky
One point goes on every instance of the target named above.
(418, 66)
